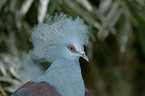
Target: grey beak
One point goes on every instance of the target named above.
(84, 56)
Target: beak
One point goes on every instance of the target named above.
(82, 54)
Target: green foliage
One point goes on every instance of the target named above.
(116, 49)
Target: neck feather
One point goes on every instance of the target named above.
(65, 76)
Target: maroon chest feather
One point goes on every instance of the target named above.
(88, 94)
(36, 89)
(39, 89)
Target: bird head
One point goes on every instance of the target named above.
(59, 36)
(73, 52)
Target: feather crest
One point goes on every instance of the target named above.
(57, 31)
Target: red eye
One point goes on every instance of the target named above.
(71, 48)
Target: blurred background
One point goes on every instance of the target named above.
(116, 49)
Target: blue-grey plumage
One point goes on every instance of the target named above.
(61, 40)
(65, 76)
(57, 32)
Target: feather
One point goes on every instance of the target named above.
(30, 69)
(57, 31)
(36, 89)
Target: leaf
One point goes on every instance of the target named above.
(9, 80)
(86, 4)
(141, 37)
(104, 7)
(123, 34)
(137, 10)
(107, 24)
(42, 10)
(25, 7)
(88, 17)
(52, 6)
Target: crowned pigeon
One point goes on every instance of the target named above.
(59, 40)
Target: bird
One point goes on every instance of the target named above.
(59, 40)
